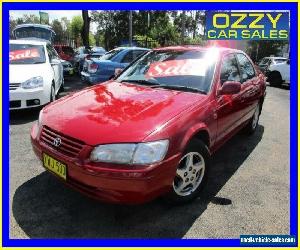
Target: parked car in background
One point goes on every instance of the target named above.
(65, 52)
(152, 130)
(100, 70)
(80, 54)
(67, 68)
(276, 69)
(35, 73)
(34, 31)
(97, 52)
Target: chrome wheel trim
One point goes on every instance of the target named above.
(255, 117)
(189, 174)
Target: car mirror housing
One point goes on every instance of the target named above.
(230, 88)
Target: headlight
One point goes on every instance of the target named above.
(131, 153)
(33, 82)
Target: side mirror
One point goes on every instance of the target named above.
(230, 88)
(288, 62)
(118, 71)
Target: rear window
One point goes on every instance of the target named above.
(280, 60)
(26, 54)
(109, 55)
(68, 50)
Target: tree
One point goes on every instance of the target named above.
(58, 29)
(260, 49)
(92, 40)
(31, 18)
(85, 28)
(76, 27)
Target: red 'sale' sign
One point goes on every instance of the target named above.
(23, 54)
(177, 68)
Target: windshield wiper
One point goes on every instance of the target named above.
(143, 82)
(180, 87)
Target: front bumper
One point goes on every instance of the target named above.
(25, 98)
(112, 182)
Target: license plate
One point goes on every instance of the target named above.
(55, 166)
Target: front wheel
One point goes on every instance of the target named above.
(52, 94)
(191, 173)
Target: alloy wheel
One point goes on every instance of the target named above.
(189, 174)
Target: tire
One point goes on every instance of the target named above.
(253, 122)
(62, 86)
(52, 94)
(190, 178)
(275, 79)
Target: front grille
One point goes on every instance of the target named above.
(15, 104)
(13, 86)
(68, 146)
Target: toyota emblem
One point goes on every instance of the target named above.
(57, 142)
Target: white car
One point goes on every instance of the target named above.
(277, 69)
(35, 73)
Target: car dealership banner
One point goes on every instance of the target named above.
(224, 25)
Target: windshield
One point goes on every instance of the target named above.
(110, 54)
(173, 68)
(264, 61)
(26, 54)
(280, 60)
(36, 32)
(67, 50)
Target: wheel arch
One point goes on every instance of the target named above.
(199, 132)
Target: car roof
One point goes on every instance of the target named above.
(197, 48)
(36, 25)
(275, 57)
(131, 48)
(27, 41)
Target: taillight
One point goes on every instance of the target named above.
(92, 67)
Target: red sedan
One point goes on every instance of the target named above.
(151, 131)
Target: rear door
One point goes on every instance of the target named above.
(250, 91)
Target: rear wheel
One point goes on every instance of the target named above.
(52, 94)
(191, 173)
(62, 86)
(252, 125)
(275, 79)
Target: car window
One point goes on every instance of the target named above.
(247, 70)
(52, 52)
(281, 60)
(170, 68)
(265, 61)
(128, 58)
(229, 69)
(138, 53)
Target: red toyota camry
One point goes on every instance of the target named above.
(151, 131)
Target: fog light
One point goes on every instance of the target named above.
(33, 102)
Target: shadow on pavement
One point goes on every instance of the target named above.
(45, 208)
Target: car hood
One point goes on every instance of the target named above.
(116, 112)
(19, 73)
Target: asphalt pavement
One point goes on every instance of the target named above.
(247, 191)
